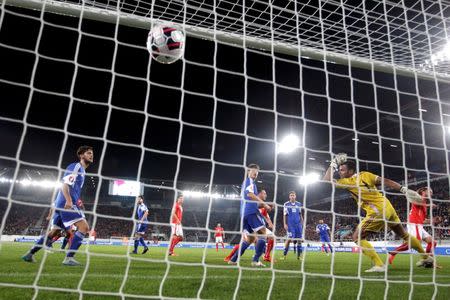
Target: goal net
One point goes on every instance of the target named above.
(283, 84)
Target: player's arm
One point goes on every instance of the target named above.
(268, 221)
(253, 197)
(284, 219)
(411, 195)
(66, 194)
(334, 165)
(50, 213)
(175, 217)
(144, 216)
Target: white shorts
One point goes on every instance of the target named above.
(219, 239)
(417, 231)
(269, 233)
(177, 229)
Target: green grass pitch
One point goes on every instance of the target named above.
(108, 266)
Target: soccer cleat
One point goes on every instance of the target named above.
(269, 259)
(300, 257)
(258, 264)
(29, 258)
(70, 261)
(376, 269)
(391, 258)
(233, 263)
(425, 262)
(227, 259)
(133, 252)
(145, 250)
(173, 254)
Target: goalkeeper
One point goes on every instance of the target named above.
(362, 187)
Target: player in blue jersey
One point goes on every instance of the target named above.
(67, 213)
(142, 225)
(292, 221)
(253, 224)
(324, 232)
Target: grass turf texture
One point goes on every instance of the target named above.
(108, 265)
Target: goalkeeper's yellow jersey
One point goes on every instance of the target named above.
(362, 187)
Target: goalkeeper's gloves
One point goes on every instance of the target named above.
(338, 159)
(411, 196)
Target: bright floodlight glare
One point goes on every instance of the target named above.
(309, 178)
(288, 144)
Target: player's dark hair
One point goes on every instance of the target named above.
(82, 149)
(292, 192)
(253, 166)
(351, 165)
(179, 196)
(141, 196)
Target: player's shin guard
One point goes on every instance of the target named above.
(259, 249)
(243, 247)
(324, 248)
(430, 246)
(76, 243)
(38, 245)
(299, 249)
(64, 243)
(136, 245)
(369, 251)
(286, 249)
(331, 248)
(401, 248)
(269, 248)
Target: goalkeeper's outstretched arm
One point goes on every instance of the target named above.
(410, 195)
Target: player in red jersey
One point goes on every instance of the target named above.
(270, 236)
(417, 217)
(175, 223)
(219, 235)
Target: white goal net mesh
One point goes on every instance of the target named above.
(367, 78)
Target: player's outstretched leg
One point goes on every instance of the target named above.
(269, 248)
(136, 245)
(414, 243)
(286, 249)
(367, 249)
(244, 245)
(236, 248)
(49, 239)
(77, 240)
(401, 248)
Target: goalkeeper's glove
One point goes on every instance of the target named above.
(338, 159)
(411, 196)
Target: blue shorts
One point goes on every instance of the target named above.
(294, 231)
(141, 228)
(253, 223)
(57, 222)
(70, 217)
(325, 239)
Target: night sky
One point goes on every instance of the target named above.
(105, 94)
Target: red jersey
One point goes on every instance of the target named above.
(219, 231)
(263, 212)
(79, 203)
(178, 210)
(418, 213)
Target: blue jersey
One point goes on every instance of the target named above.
(141, 210)
(248, 206)
(74, 177)
(292, 211)
(322, 230)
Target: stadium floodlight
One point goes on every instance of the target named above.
(440, 56)
(288, 144)
(309, 178)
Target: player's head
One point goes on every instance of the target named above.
(86, 154)
(320, 221)
(180, 199)
(218, 224)
(140, 199)
(262, 195)
(347, 169)
(425, 192)
(252, 171)
(292, 196)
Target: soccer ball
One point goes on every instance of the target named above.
(165, 43)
